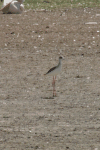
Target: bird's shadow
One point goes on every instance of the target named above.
(47, 97)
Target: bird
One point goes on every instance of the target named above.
(54, 72)
(12, 6)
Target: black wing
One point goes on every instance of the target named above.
(51, 70)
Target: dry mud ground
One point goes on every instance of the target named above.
(30, 44)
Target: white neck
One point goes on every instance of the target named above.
(59, 62)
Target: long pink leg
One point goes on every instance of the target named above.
(53, 86)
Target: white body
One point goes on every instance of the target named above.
(56, 70)
(6, 2)
(16, 7)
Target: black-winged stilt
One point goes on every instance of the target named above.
(53, 72)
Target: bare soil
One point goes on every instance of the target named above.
(30, 44)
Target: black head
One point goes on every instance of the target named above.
(60, 57)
